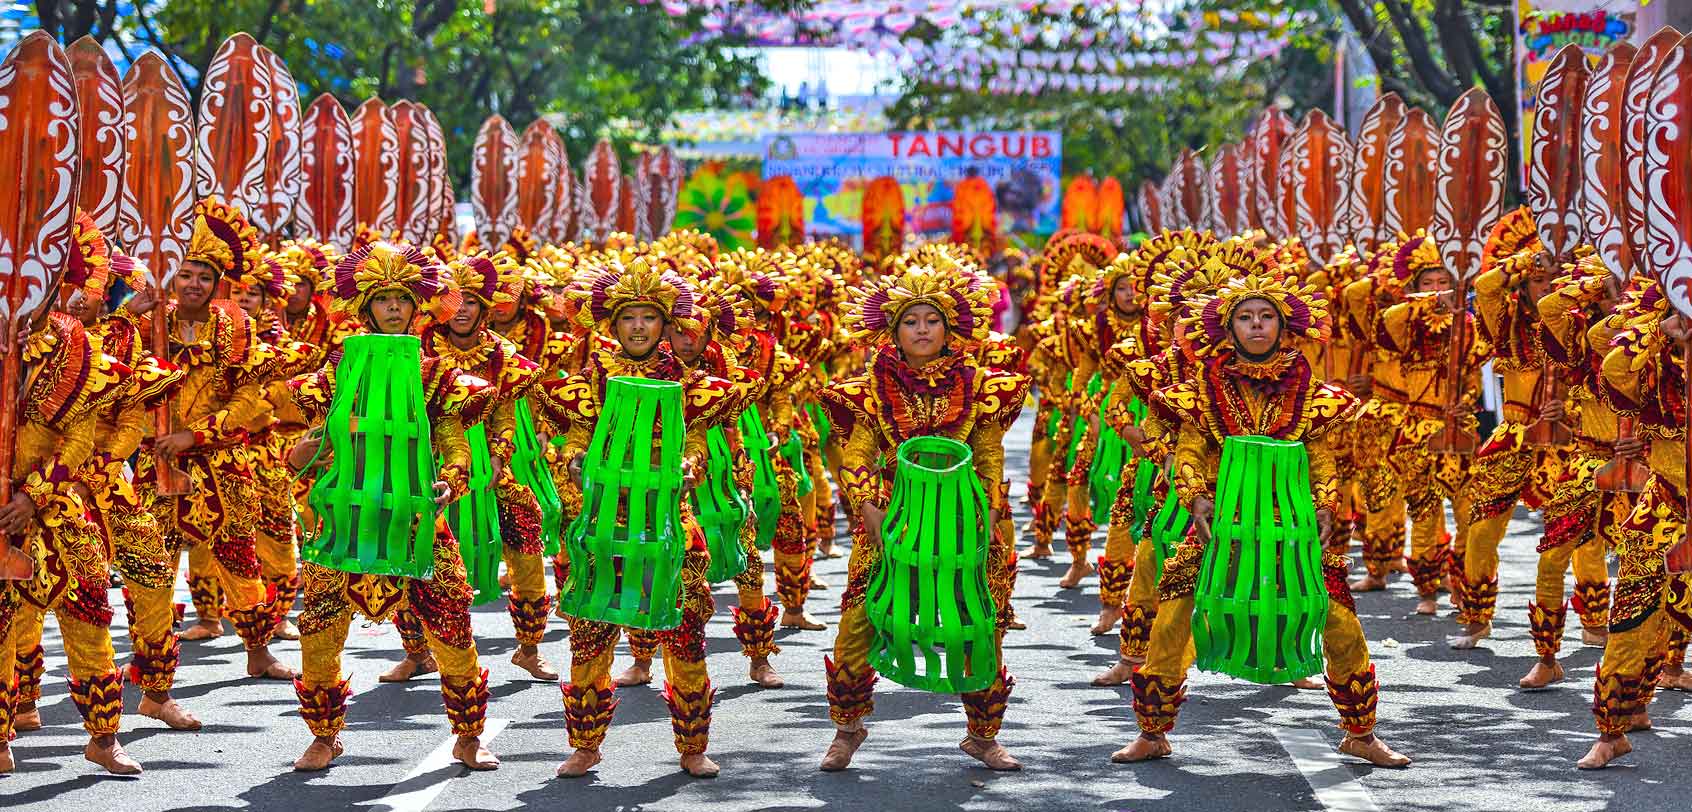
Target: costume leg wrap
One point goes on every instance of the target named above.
(287, 588)
(1382, 546)
(411, 633)
(985, 709)
(1480, 600)
(31, 664)
(792, 565)
(1078, 524)
(6, 706)
(152, 664)
(206, 596)
(1113, 581)
(755, 629)
(1592, 602)
(257, 624)
(1546, 626)
(1454, 575)
(587, 713)
(643, 643)
(1428, 569)
(528, 618)
(1355, 697)
(851, 692)
(1616, 699)
(99, 698)
(1157, 701)
(466, 702)
(323, 706)
(690, 716)
(1136, 630)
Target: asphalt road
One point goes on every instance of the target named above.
(1479, 743)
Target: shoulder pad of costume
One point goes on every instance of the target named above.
(1329, 406)
(999, 396)
(1179, 403)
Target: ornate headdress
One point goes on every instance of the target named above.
(1304, 313)
(1079, 252)
(269, 275)
(1170, 247)
(1514, 234)
(382, 266)
(960, 297)
(483, 278)
(89, 268)
(759, 275)
(1415, 254)
(309, 261)
(640, 281)
(223, 239)
(520, 245)
(1191, 274)
(721, 310)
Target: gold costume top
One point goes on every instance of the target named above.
(1507, 322)
(1419, 336)
(1576, 334)
(225, 366)
(493, 359)
(952, 396)
(1277, 398)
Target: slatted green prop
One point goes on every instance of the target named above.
(721, 511)
(474, 519)
(528, 465)
(766, 493)
(794, 452)
(1169, 527)
(819, 419)
(626, 548)
(1105, 479)
(1261, 602)
(1080, 427)
(375, 503)
(935, 623)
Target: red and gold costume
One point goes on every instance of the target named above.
(1380, 492)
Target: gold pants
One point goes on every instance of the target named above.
(84, 625)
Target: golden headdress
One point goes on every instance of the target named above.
(1415, 254)
(308, 260)
(640, 280)
(382, 266)
(961, 299)
(1304, 313)
(89, 267)
(223, 239)
(483, 278)
(1514, 233)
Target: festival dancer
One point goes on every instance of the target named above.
(922, 381)
(635, 302)
(384, 286)
(68, 382)
(1255, 381)
(1374, 376)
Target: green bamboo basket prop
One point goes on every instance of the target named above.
(528, 465)
(1169, 527)
(375, 503)
(1078, 430)
(819, 419)
(794, 452)
(720, 510)
(1144, 499)
(1261, 601)
(1105, 478)
(935, 622)
(474, 519)
(766, 492)
(626, 547)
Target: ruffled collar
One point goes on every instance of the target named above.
(1271, 376)
(440, 344)
(933, 378)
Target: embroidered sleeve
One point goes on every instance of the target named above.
(987, 451)
(502, 430)
(1195, 465)
(858, 476)
(1324, 474)
(454, 452)
(246, 404)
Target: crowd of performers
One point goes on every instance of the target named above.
(1172, 345)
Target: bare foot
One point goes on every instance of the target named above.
(414, 665)
(1109, 616)
(1015, 623)
(203, 630)
(1039, 550)
(764, 674)
(167, 711)
(991, 753)
(470, 752)
(698, 766)
(1308, 684)
(1145, 748)
(1368, 583)
(1399, 565)
(640, 673)
(1676, 681)
(800, 619)
(529, 659)
(1541, 675)
(1640, 721)
(1472, 634)
(287, 630)
(1077, 571)
(1594, 637)
(818, 585)
(261, 664)
(841, 750)
(1117, 675)
(106, 752)
(1428, 605)
(578, 764)
(26, 719)
(1607, 749)
(322, 751)
(1370, 748)
(6, 763)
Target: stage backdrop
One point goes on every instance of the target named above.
(833, 170)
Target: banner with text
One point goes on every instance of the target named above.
(833, 170)
(1543, 27)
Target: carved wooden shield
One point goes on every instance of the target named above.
(1668, 176)
(376, 167)
(1410, 170)
(1369, 178)
(564, 220)
(324, 210)
(1554, 167)
(99, 113)
(1469, 189)
(436, 191)
(626, 206)
(1226, 214)
(1287, 214)
(1636, 99)
(1603, 195)
(598, 194)
(493, 175)
(1080, 201)
(412, 204)
(281, 189)
(1151, 215)
(657, 183)
(1266, 140)
(155, 217)
(1321, 172)
(233, 140)
(539, 159)
(1191, 171)
(1167, 193)
(38, 158)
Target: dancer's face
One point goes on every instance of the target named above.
(1256, 327)
(391, 312)
(638, 328)
(920, 334)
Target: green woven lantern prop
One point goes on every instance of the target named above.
(626, 547)
(1261, 602)
(935, 622)
(766, 492)
(375, 503)
(1143, 501)
(1078, 430)
(720, 510)
(474, 519)
(819, 419)
(1169, 527)
(1106, 477)
(794, 452)
(528, 465)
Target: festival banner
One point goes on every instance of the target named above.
(832, 170)
(1543, 26)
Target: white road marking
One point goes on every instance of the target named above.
(1337, 790)
(424, 783)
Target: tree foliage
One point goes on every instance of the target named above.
(582, 62)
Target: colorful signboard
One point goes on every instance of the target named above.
(1543, 26)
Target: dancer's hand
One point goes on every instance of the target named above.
(1552, 410)
(175, 443)
(15, 515)
(443, 493)
(1630, 447)
(873, 517)
(1324, 524)
(143, 301)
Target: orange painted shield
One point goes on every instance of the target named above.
(1321, 172)
(325, 206)
(657, 184)
(975, 213)
(155, 218)
(282, 181)
(884, 218)
(1668, 176)
(1080, 202)
(1107, 219)
(598, 193)
(99, 113)
(781, 213)
(1554, 167)
(1469, 189)
(1226, 214)
(626, 206)
(436, 191)
(375, 167)
(1603, 197)
(38, 157)
(1368, 177)
(537, 183)
(1267, 137)
(412, 204)
(233, 139)
(1411, 153)
(1151, 214)
(1636, 99)
(1189, 188)
(564, 222)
